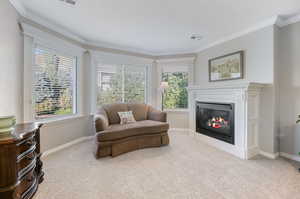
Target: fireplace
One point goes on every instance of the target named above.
(215, 120)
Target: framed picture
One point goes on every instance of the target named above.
(227, 67)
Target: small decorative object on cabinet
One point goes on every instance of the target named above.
(20, 163)
(7, 124)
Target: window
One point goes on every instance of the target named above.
(54, 83)
(176, 96)
(105, 81)
(121, 83)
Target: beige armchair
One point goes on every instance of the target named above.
(112, 138)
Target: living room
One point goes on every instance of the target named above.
(149, 99)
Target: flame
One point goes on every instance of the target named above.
(217, 122)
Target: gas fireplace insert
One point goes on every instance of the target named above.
(215, 120)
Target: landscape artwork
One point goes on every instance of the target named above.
(227, 67)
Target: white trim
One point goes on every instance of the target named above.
(252, 152)
(34, 36)
(51, 41)
(284, 22)
(93, 83)
(269, 22)
(19, 7)
(64, 146)
(99, 58)
(187, 60)
(182, 64)
(269, 155)
(60, 120)
(114, 58)
(118, 47)
(231, 85)
(290, 156)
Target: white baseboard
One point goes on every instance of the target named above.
(290, 156)
(64, 146)
(252, 152)
(269, 155)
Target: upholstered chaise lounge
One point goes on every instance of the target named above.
(113, 138)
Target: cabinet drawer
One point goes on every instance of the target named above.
(26, 183)
(26, 160)
(26, 145)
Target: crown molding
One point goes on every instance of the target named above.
(269, 22)
(187, 60)
(106, 45)
(275, 20)
(176, 56)
(19, 7)
(281, 22)
(52, 41)
(54, 27)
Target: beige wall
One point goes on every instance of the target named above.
(178, 120)
(258, 48)
(62, 132)
(259, 67)
(11, 62)
(289, 78)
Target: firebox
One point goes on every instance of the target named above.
(215, 120)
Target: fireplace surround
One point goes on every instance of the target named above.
(215, 120)
(244, 99)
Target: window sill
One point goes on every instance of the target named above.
(176, 110)
(59, 120)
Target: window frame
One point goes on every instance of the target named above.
(184, 64)
(123, 66)
(35, 37)
(74, 82)
(177, 109)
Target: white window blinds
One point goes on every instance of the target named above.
(54, 83)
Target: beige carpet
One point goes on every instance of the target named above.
(187, 169)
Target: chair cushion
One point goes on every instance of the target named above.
(112, 112)
(145, 127)
(140, 111)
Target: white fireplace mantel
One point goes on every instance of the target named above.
(246, 98)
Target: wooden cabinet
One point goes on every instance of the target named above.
(20, 162)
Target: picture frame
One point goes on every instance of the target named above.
(227, 67)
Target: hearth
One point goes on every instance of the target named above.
(215, 120)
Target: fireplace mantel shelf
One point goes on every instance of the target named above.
(231, 85)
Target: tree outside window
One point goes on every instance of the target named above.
(53, 84)
(176, 96)
(126, 84)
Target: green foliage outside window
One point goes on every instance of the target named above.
(176, 96)
(127, 84)
(52, 84)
